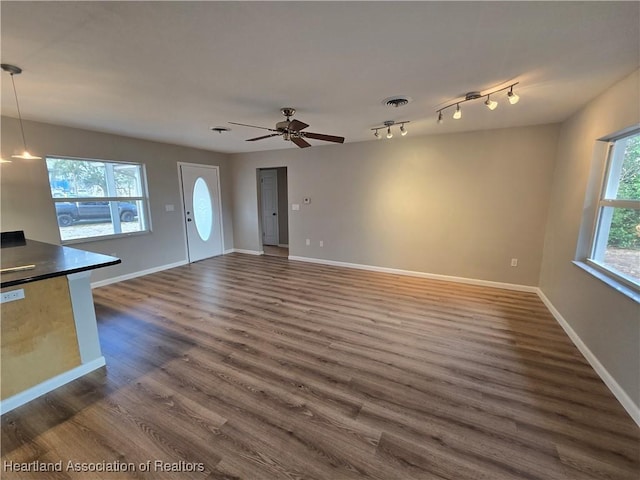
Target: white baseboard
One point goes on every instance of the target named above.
(622, 396)
(247, 252)
(411, 273)
(48, 385)
(129, 276)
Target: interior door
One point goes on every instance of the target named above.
(269, 202)
(202, 210)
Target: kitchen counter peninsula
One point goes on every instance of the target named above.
(49, 333)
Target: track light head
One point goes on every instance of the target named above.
(440, 120)
(458, 113)
(389, 134)
(403, 131)
(377, 135)
(491, 104)
(513, 98)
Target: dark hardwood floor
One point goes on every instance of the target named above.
(264, 368)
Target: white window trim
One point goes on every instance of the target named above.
(144, 199)
(598, 240)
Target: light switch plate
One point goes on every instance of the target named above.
(295, 206)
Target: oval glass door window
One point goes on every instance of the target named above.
(202, 209)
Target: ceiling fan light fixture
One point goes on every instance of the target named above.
(25, 155)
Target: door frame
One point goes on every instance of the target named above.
(261, 205)
(182, 214)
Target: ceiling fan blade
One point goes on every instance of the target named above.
(326, 138)
(297, 125)
(253, 126)
(300, 142)
(264, 136)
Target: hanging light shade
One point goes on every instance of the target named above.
(25, 155)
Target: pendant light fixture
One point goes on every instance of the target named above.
(13, 70)
(489, 102)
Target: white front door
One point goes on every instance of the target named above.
(202, 210)
(269, 201)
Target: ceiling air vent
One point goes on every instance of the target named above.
(398, 101)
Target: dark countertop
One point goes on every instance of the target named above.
(49, 260)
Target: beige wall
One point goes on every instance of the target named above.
(26, 199)
(460, 204)
(283, 207)
(604, 319)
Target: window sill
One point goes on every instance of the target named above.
(613, 283)
(76, 241)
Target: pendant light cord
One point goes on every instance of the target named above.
(15, 93)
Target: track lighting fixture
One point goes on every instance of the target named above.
(513, 98)
(388, 124)
(458, 113)
(491, 104)
(13, 70)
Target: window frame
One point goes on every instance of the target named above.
(599, 235)
(143, 212)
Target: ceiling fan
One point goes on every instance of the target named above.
(291, 130)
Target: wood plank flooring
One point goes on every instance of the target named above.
(263, 368)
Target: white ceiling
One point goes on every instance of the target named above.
(169, 71)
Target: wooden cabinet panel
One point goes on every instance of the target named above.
(38, 337)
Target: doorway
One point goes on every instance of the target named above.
(202, 210)
(273, 208)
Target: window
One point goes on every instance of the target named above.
(615, 248)
(96, 199)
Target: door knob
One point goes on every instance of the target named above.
(274, 213)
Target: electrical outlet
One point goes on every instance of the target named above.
(12, 295)
(514, 262)
(308, 242)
